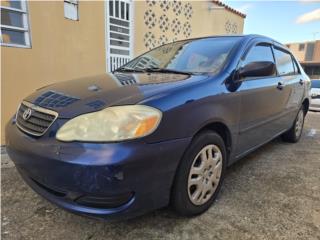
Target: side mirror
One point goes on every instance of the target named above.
(258, 69)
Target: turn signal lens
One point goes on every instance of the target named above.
(146, 126)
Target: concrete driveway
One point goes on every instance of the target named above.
(274, 193)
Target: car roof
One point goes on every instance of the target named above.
(244, 37)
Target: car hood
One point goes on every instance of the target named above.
(89, 94)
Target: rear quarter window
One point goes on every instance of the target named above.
(295, 65)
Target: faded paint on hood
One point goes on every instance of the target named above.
(78, 96)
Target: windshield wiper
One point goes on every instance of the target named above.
(124, 69)
(153, 69)
(166, 70)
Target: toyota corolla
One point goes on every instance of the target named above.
(160, 130)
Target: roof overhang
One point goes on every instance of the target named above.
(227, 7)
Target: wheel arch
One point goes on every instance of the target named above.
(222, 129)
(305, 105)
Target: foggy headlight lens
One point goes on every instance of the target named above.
(111, 124)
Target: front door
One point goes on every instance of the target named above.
(119, 35)
(263, 101)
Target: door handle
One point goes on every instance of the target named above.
(301, 82)
(280, 85)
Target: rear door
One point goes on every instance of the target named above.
(263, 100)
(290, 75)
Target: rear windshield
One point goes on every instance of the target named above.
(315, 84)
(196, 56)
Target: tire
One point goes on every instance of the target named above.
(191, 170)
(293, 135)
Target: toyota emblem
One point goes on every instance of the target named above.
(27, 114)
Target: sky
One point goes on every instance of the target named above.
(285, 21)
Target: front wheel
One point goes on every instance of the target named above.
(200, 175)
(294, 133)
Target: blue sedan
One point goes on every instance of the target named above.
(160, 130)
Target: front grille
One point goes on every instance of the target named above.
(85, 200)
(55, 192)
(106, 201)
(33, 119)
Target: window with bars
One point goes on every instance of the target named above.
(71, 9)
(119, 33)
(14, 24)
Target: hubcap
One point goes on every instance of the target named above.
(205, 174)
(299, 123)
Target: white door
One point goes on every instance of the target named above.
(119, 35)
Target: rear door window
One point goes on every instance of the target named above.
(295, 65)
(284, 63)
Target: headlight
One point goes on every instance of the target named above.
(111, 124)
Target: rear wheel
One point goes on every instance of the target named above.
(200, 175)
(295, 132)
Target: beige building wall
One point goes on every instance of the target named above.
(294, 47)
(63, 49)
(157, 22)
(301, 54)
(308, 54)
(316, 53)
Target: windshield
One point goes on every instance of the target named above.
(193, 56)
(315, 84)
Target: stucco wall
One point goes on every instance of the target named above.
(161, 22)
(61, 49)
(316, 53)
(301, 55)
(294, 47)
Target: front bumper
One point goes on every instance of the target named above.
(110, 181)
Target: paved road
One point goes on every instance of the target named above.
(273, 193)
